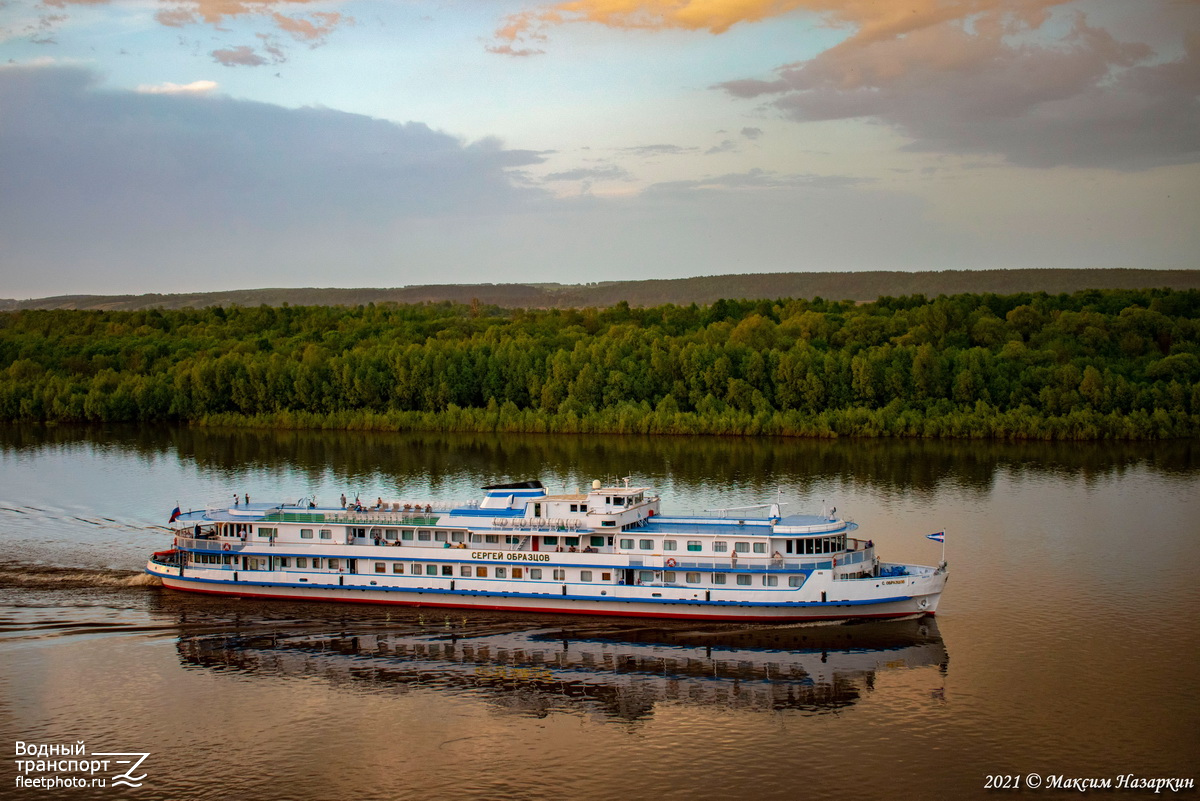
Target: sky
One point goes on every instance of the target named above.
(203, 145)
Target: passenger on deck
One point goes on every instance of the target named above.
(247, 499)
(428, 508)
(343, 500)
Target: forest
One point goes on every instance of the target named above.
(1095, 364)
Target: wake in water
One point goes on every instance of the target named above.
(32, 576)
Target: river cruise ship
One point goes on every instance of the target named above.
(609, 551)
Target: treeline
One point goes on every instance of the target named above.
(651, 292)
(1089, 365)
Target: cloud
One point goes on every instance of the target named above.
(282, 17)
(752, 133)
(659, 150)
(715, 16)
(240, 56)
(160, 180)
(726, 146)
(608, 172)
(756, 179)
(1084, 99)
(871, 19)
(193, 88)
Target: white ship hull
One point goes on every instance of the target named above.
(915, 596)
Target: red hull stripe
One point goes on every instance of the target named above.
(548, 610)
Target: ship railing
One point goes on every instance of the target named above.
(194, 544)
(385, 518)
(551, 524)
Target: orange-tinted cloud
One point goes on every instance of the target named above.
(872, 19)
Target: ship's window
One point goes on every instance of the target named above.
(491, 539)
(424, 535)
(560, 575)
(380, 567)
(597, 541)
(326, 534)
(502, 572)
(513, 539)
(770, 581)
(431, 570)
(720, 547)
(447, 570)
(389, 534)
(416, 569)
(618, 501)
(283, 561)
(301, 561)
(572, 540)
(574, 507)
(606, 577)
(669, 577)
(669, 545)
(306, 533)
(646, 545)
(397, 567)
(406, 534)
(375, 532)
(266, 532)
(743, 580)
(609, 523)
(583, 507)
(464, 571)
(480, 572)
(585, 575)
(316, 563)
(550, 540)
(458, 536)
(474, 538)
(333, 564)
(789, 546)
(627, 544)
(518, 572)
(719, 578)
(760, 547)
(645, 576)
(741, 547)
(694, 545)
(795, 581)
(692, 578)
(535, 573)
(439, 536)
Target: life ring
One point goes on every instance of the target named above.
(671, 563)
(225, 547)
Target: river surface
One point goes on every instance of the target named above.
(1066, 644)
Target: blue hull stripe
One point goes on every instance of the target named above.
(537, 596)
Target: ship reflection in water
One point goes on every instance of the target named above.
(618, 671)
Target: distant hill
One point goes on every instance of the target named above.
(864, 286)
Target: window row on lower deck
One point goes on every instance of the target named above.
(503, 573)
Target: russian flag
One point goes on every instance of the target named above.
(174, 514)
(939, 537)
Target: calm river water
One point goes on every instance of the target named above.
(1066, 643)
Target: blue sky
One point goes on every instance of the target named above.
(191, 145)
